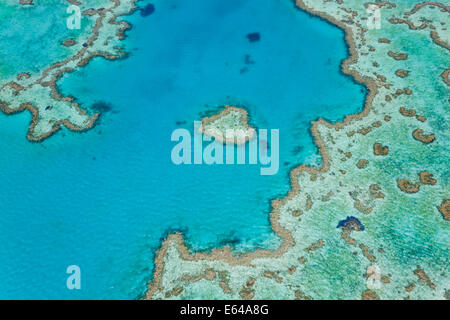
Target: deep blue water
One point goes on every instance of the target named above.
(104, 199)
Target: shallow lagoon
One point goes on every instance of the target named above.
(104, 199)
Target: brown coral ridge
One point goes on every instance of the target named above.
(361, 164)
(288, 241)
(411, 113)
(375, 191)
(428, 3)
(299, 295)
(407, 112)
(369, 295)
(402, 73)
(419, 135)
(75, 2)
(410, 287)
(444, 209)
(209, 275)
(422, 275)
(315, 246)
(24, 75)
(445, 76)
(426, 178)
(247, 292)
(397, 56)
(380, 150)
(68, 42)
(26, 2)
(434, 35)
(407, 186)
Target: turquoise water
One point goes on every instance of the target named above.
(104, 199)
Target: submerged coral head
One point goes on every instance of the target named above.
(147, 10)
(253, 37)
(351, 223)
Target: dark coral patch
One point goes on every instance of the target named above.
(253, 37)
(147, 10)
(101, 107)
(243, 70)
(297, 150)
(248, 59)
(351, 224)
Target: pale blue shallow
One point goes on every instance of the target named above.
(104, 199)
